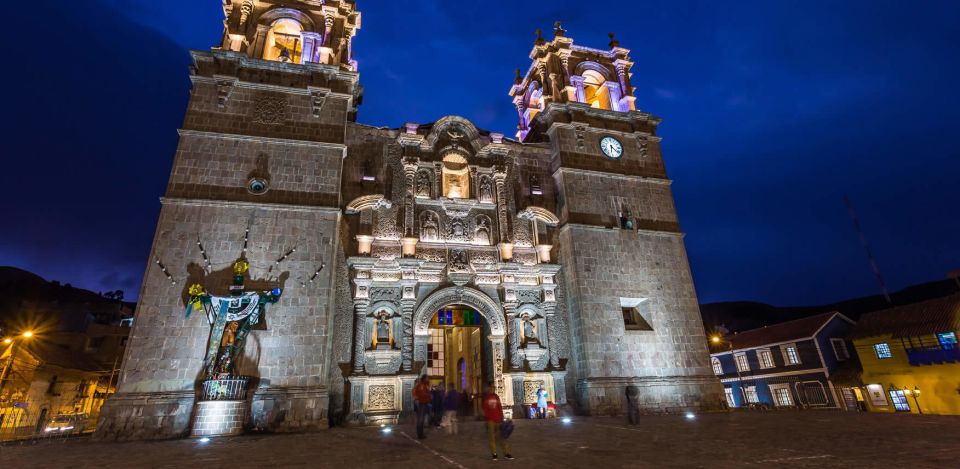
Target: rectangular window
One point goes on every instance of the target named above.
(781, 395)
(765, 358)
(882, 350)
(742, 363)
(948, 340)
(752, 396)
(899, 401)
(790, 355)
(730, 400)
(717, 367)
(435, 346)
(840, 349)
(632, 318)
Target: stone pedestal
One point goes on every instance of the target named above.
(147, 415)
(292, 408)
(219, 418)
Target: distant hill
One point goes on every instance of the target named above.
(737, 316)
(28, 300)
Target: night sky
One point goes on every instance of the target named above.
(772, 112)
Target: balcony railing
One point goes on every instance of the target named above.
(932, 356)
(231, 388)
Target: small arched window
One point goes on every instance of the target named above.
(717, 367)
(594, 92)
(284, 42)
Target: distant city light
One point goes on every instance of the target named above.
(567, 420)
(28, 334)
(691, 416)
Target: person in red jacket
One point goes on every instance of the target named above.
(493, 414)
(421, 399)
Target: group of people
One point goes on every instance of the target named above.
(431, 403)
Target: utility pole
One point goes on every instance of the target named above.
(866, 247)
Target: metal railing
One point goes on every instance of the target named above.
(231, 388)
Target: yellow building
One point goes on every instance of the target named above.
(910, 357)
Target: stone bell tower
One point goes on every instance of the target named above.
(633, 309)
(256, 177)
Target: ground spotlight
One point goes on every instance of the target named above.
(204, 440)
(566, 420)
(386, 430)
(690, 416)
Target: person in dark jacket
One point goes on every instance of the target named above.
(437, 395)
(451, 402)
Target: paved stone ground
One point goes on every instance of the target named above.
(768, 439)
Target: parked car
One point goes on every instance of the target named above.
(67, 424)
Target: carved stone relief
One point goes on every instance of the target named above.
(424, 184)
(381, 397)
(482, 231)
(530, 390)
(270, 109)
(429, 226)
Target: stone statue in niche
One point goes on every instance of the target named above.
(423, 184)
(486, 190)
(430, 231)
(455, 191)
(482, 234)
(383, 330)
(529, 330)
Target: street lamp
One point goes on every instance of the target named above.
(13, 356)
(916, 398)
(743, 392)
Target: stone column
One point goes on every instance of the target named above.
(310, 42)
(559, 387)
(513, 335)
(577, 81)
(613, 92)
(360, 304)
(409, 176)
(438, 179)
(474, 186)
(259, 41)
(406, 346)
(549, 313)
(498, 351)
(500, 178)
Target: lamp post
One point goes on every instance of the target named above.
(916, 398)
(8, 368)
(743, 392)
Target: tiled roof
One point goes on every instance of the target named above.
(783, 332)
(925, 317)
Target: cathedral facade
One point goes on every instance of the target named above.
(329, 264)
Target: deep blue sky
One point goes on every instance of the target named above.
(772, 112)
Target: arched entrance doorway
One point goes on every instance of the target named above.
(474, 300)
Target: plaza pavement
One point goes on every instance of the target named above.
(724, 440)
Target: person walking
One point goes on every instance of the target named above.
(493, 414)
(437, 398)
(421, 399)
(633, 407)
(542, 402)
(451, 402)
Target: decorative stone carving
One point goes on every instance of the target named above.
(432, 255)
(382, 362)
(224, 90)
(528, 297)
(530, 388)
(458, 229)
(384, 294)
(458, 261)
(483, 258)
(270, 109)
(642, 146)
(529, 329)
(318, 98)
(381, 397)
(429, 227)
(424, 184)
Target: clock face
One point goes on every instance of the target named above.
(611, 147)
